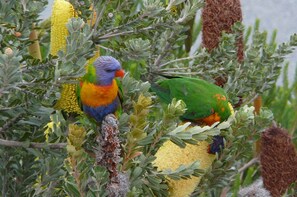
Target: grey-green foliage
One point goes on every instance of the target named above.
(92, 178)
(10, 71)
(184, 171)
(148, 39)
(282, 101)
(78, 49)
(163, 127)
(239, 148)
(246, 79)
(18, 16)
(138, 35)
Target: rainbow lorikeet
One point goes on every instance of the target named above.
(98, 90)
(206, 103)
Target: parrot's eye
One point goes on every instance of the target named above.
(109, 70)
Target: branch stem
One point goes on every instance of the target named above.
(180, 59)
(10, 123)
(12, 143)
(248, 164)
(107, 36)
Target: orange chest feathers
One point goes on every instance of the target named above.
(94, 95)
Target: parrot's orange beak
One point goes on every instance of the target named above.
(120, 73)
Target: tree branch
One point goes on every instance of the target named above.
(10, 122)
(12, 143)
(107, 36)
(248, 164)
(178, 60)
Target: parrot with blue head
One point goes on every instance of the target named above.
(98, 90)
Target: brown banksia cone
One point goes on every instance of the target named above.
(219, 17)
(278, 160)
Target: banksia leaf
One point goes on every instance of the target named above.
(278, 161)
(62, 12)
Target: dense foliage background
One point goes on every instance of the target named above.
(150, 38)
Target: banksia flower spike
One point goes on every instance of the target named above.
(68, 100)
(75, 140)
(171, 156)
(62, 12)
(278, 161)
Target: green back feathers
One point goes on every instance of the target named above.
(90, 76)
(202, 98)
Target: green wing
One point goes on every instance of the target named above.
(120, 96)
(90, 76)
(202, 98)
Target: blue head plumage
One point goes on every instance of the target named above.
(107, 68)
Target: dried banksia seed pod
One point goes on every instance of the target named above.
(278, 160)
(219, 16)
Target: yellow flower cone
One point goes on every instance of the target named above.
(61, 13)
(171, 156)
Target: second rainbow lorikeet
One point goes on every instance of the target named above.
(98, 90)
(206, 103)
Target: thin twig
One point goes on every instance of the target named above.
(12, 143)
(165, 51)
(124, 33)
(106, 48)
(180, 73)
(178, 60)
(99, 17)
(248, 164)
(9, 123)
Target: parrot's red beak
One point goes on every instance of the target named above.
(120, 73)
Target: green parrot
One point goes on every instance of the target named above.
(206, 103)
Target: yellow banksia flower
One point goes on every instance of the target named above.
(171, 156)
(62, 12)
(68, 100)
